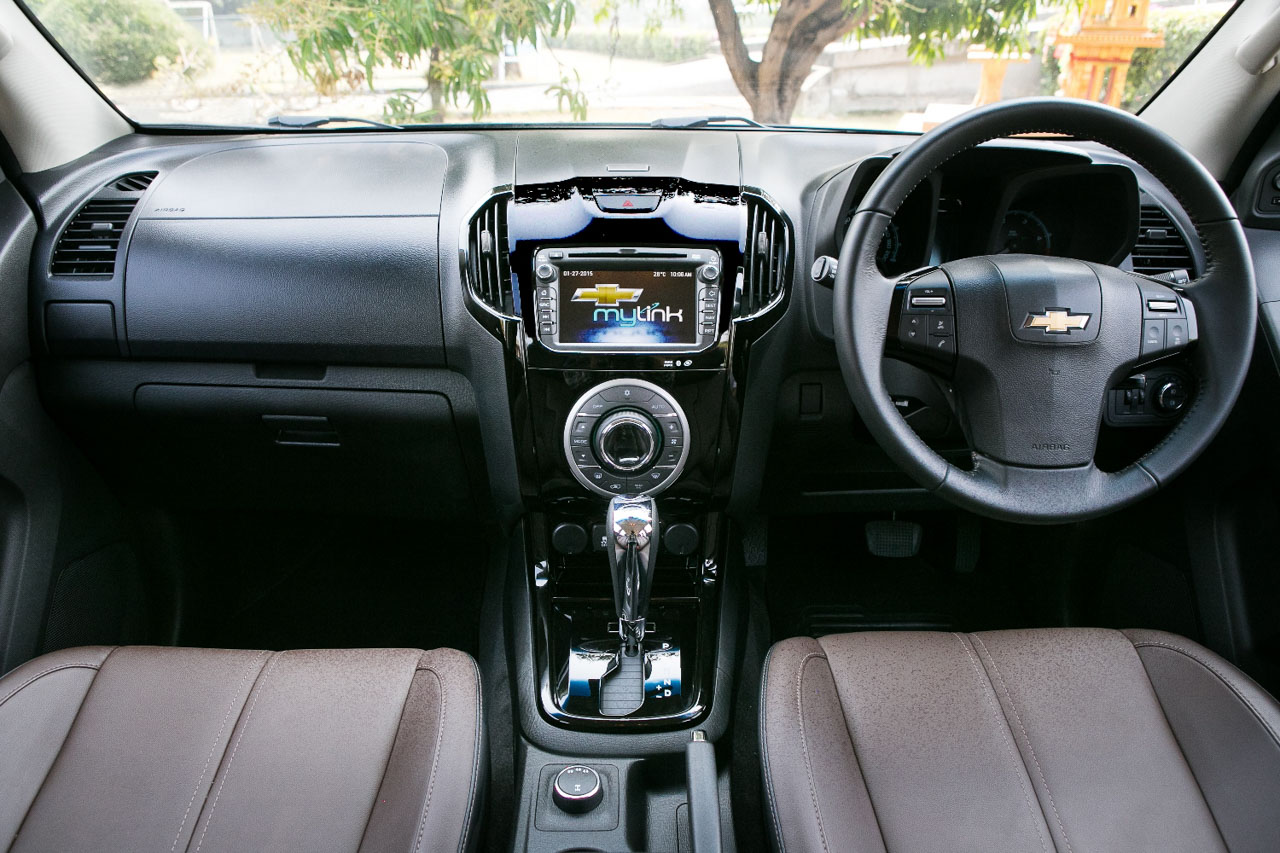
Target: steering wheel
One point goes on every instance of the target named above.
(1031, 344)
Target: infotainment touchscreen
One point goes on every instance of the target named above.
(628, 307)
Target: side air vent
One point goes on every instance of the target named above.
(767, 260)
(89, 245)
(134, 183)
(488, 265)
(1160, 246)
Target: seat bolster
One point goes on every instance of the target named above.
(815, 795)
(1229, 731)
(39, 701)
(431, 793)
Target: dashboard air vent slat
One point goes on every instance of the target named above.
(768, 255)
(89, 245)
(134, 183)
(489, 265)
(1160, 246)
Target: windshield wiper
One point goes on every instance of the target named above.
(704, 121)
(317, 121)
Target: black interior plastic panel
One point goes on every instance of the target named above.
(284, 179)
(345, 290)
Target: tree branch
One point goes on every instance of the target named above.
(742, 67)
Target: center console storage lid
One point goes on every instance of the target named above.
(322, 252)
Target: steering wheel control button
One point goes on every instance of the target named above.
(626, 436)
(577, 789)
(942, 344)
(1175, 334)
(943, 326)
(1153, 337)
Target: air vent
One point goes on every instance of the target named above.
(488, 264)
(1160, 246)
(134, 183)
(767, 261)
(90, 243)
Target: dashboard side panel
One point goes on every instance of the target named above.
(327, 290)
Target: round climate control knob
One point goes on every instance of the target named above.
(626, 441)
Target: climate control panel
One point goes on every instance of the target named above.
(626, 437)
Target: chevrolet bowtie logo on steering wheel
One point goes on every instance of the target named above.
(1056, 321)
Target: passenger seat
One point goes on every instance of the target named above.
(179, 749)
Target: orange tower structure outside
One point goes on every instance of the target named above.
(1102, 42)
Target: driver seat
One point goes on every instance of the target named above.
(1055, 739)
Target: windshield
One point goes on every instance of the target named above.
(875, 64)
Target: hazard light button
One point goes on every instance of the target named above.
(628, 202)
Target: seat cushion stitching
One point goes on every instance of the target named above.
(853, 746)
(475, 758)
(1245, 699)
(1032, 806)
(435, 758)
(1182, 752)
(213, 747)
(995, 668)
(261, 688)
(49, 671)
(804, 743)
(764, 752)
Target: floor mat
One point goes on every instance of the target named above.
(322, 582)
(822, 579)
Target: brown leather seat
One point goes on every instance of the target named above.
(168, 749)
(1070, 740)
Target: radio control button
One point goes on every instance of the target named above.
(547, 328)
(544, 293)
(710, 272)
(626, 394)
(555, 254)
(546, 272)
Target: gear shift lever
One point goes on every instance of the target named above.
(633, 533)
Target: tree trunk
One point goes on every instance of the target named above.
(801, 30)
(435, 87)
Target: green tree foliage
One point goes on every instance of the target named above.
(802, 29)
(1152, 66)
(118, 41)
(342, 42)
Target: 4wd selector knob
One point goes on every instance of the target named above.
(626, 441)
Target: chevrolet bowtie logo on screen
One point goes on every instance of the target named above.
(1056, 321)
(629, 307)
(607, 294)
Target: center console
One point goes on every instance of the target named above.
(627, 297)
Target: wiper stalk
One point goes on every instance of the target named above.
(302, 122)
(703, 121)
